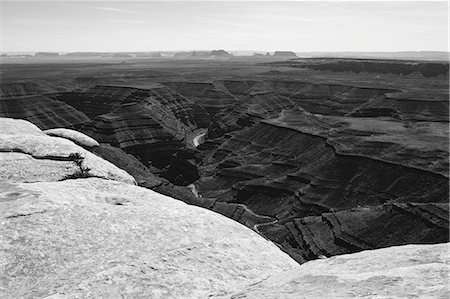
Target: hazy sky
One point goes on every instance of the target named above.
(152, 26)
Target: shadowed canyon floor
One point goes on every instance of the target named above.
(321, 156)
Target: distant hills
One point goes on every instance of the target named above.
(408, 55)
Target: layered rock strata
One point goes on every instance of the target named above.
(298, 191)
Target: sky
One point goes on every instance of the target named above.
(300, 26)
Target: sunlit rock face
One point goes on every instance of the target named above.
(29, 155)
(401, 271)
(75, 136)
(93, 237)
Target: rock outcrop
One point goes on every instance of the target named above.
(77, 137)
(97, 237)
(381, 66)
(203, 54)
(397, 272)
(284, 54)
(29, 155)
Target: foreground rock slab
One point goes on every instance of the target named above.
(99, 238)
(29, 155)
(410, 271)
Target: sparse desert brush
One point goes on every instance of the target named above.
(82, 171)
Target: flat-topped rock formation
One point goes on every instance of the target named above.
(382, 66)
(203, 54)
(420, 144)
(284, 54)
(395, 272)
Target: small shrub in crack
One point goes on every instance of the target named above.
(82, 172)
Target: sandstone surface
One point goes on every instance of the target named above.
(410, 271)
(28, 154)
(98, 238)
(77, 137)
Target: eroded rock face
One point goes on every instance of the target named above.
(98, 238)
(297, 190)
(28, 155)
(399, 272)
(150, 124)
(382, 66)
(43, 111)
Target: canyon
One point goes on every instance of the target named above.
(321, 157)
(71, 229)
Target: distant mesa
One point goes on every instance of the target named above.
(88, 54)
(220, 53)
(122, 55)
(46, 54)
(150, 55)
(284, 54)
(203, 54)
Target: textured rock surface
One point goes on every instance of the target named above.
(75, 136)
(27, 154)
(412, 271)
(97, 238)
(419, 144)
(144, 176)
(150, 124)
(298, 191)
(403, 67)
(43, 111)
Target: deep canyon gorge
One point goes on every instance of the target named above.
(323, 167)
(322, 157)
